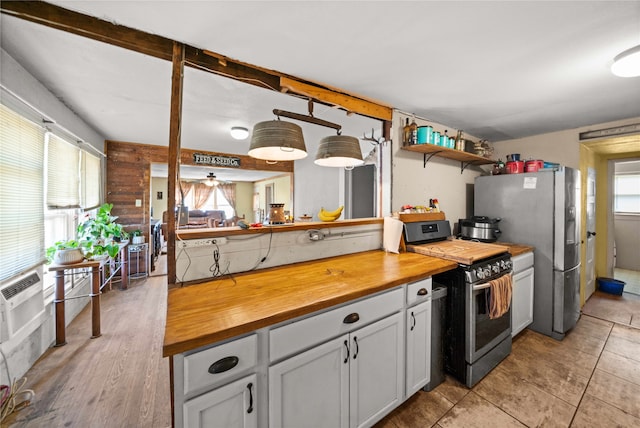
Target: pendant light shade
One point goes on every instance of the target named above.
(339, 151)
(275, 140)
(627, 63)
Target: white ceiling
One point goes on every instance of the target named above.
(497, 70)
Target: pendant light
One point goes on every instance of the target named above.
(339, 151)
(627, 63)
(276, 140)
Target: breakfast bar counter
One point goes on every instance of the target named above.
(206, 313)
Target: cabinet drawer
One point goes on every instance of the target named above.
(522, 262)
(419, 291)
(316, 329)
(219, 363)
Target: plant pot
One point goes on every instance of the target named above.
(68, 256)
(137, 240)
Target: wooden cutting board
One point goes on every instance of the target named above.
(459, 250)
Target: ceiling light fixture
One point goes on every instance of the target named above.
(627, 63)
(275, 140)
(211, 180)
(239, 133)
(339, 151)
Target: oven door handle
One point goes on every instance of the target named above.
(486, 284)
(481, 286)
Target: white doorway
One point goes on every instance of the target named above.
(590, 268)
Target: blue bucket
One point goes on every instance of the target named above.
(611, 286)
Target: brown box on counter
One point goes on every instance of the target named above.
(413, 217)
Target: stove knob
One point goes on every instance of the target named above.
(480, 273)
(509, 264)
(496, 268)
(503, 265)
(487, 272)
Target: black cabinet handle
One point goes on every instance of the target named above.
(355, 340)
(422, 292)
(590, 234)
(351, 318)
(223, 365)
(413, 321)
(250, 409)
(346, 345)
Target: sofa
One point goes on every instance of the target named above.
(210, 218)
(198, 219)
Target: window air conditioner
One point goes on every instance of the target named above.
(21, 301)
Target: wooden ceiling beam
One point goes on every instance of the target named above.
(161, 47)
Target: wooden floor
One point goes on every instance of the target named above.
(589, 379)
(117, 380)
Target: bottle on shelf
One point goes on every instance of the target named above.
(406, 130)
(459, 141)
(413, 133)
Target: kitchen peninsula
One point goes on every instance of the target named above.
(225, 337)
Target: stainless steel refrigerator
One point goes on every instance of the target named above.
(541, 209)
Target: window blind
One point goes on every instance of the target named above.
(21, 194)
(63, 173)
(91, 181)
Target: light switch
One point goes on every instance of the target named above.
(138, 202)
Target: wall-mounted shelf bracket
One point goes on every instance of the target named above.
(426, 159)
(464, 166)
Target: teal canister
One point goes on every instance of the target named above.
(444, 140)
(436, 138)
(422, 134)
(428, 134)
(452, 143)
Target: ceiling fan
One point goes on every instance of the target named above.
(211, 180)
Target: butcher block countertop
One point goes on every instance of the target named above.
(202, 314)
(468, 252)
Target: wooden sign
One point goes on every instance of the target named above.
(216, 160)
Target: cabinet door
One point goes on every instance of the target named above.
(418, 347)
(230, 406)
(376, 374)
(522, 301)
(312, 388)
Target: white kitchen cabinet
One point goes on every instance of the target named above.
(350, 381)
(231, 406)
(418, 369)
(522, 296)
(217, 386)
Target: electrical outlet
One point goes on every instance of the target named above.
(138, 202)
(195, 243)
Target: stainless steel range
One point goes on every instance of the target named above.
(474, 342)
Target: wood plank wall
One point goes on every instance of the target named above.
(128, 177)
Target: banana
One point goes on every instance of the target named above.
(335, 213)
(324, 217)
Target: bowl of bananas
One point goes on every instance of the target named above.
(325, 215)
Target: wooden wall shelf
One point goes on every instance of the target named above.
(465, 158)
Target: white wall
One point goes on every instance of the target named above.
(441, 179)
(627, 226)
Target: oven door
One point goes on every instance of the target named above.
(484, 333)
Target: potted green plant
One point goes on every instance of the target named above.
(66, 252)
(102, 233)
(137, 237)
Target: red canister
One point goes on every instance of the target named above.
(515, 167)
(533, 165)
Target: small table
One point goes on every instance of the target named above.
(138, 256)
(96, 267)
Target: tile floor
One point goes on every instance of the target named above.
(590, 379)
(631, 277)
